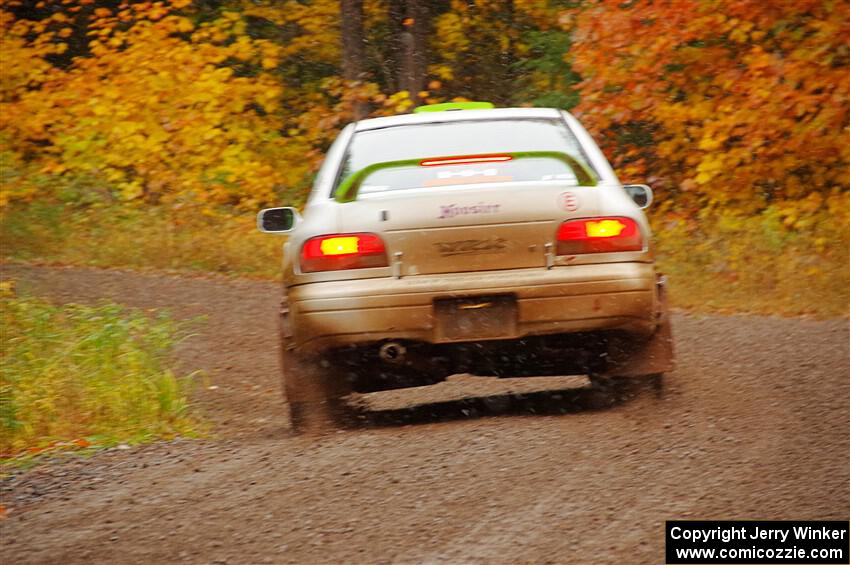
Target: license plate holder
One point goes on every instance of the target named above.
(475, 318)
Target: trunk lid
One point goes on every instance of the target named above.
(465, 228)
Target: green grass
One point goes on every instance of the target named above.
(158, 238)
(83, 376)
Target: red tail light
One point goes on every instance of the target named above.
(343, 251)
(599, 235)
(465, 159)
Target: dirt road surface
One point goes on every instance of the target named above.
(754, 423)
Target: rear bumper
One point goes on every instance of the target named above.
(560, 300)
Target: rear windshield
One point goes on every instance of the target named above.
(478, 137)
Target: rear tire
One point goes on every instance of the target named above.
(656, 382)
(606, 382)
(314, 389)
(646, 359)
(315, 393)
(618, 387)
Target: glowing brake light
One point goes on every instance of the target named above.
(599, 235)
(604, 228)
(343, 251)
(464, 159)
(339, 245)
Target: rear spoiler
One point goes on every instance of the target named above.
(348, 189)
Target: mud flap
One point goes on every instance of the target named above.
(312, 387)
(653, 356)
(314, 393)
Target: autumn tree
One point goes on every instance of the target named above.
(412, 44)
(196, 126)
(353, 50)
(722, 104)
(738, 104)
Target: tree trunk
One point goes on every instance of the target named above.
(414, 48)
(353, 51)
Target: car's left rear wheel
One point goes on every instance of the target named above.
(315, 393)
(314, 386)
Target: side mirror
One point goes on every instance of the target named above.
(640, 193)
(277, 220)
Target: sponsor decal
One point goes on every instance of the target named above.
(562, 176)
(472, 246)
(568, 201)
(453, 210)
(467, 173)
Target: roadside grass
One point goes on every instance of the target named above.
(76, 377)
(156, 238)
(756, 265)
(720, 264)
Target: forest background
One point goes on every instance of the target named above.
(147, 134)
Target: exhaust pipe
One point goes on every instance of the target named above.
(392, 352)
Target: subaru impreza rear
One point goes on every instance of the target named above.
(496, 242)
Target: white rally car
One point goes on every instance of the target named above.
(454, 240)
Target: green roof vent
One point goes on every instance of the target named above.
(451, 106)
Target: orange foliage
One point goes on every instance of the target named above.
(736, 103)
(732, 104)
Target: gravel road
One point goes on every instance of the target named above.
(754, 423)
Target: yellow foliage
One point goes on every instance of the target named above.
(789, 259)
(181, 126)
